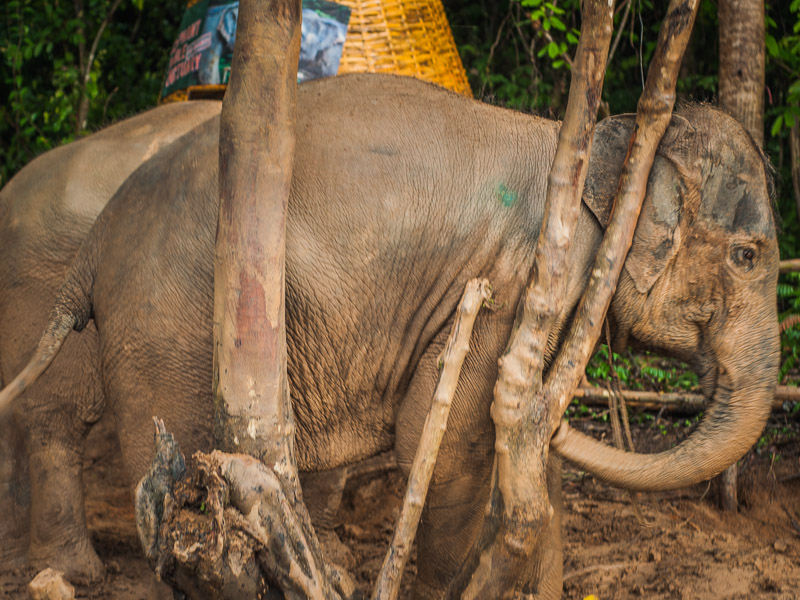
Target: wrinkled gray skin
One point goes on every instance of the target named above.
(46, 210)
(401, 193)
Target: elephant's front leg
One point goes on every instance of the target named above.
(459, 491)
(452, 520)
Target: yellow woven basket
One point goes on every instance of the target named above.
(405, 37)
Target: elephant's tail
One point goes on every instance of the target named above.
(72, 310)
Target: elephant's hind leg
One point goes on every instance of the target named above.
(56, 416)
(14, 497)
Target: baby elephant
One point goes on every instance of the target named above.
(401, 193)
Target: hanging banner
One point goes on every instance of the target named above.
(201, 55)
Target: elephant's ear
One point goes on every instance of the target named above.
(611, 137)
(658, 235)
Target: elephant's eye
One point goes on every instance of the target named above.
(744, 257)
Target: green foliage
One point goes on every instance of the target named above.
(518, 52)
(642, 371)
(783, 110)
(789, 305)
(55, 88)
(783, 53)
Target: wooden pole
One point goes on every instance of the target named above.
(791, 265)
(681, 402)
(252, 410)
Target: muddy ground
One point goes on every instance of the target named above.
(688, 549)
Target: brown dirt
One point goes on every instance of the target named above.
(688, 549)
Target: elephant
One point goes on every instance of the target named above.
(46, 210)
(401, 192)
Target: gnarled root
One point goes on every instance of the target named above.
(228, 530)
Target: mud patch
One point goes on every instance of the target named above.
(688, 549)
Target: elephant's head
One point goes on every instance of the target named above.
(699, 284)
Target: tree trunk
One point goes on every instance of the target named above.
(253, 533)
(741, 93)
(256, 148)
(741, 63)
(794, 153)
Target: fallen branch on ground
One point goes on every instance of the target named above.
(671, 401)
(790, 266)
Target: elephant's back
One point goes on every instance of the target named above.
(394, 205)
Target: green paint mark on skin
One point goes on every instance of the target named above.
(506, 196)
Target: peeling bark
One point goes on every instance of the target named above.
(253, 414)
(227, 530)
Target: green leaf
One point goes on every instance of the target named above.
(776, 126)
(772, 45)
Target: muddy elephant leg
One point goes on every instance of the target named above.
(450, 521)
(58, 536)
(56, 416)
(322, 495)
(460, 487)
(14, 497)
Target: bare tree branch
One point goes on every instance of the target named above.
(86, 68)
(387, 587)
(620, 31)
(653, 115)
(511, 532)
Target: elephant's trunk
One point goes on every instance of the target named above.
(745, 387)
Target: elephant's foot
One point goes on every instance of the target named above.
(78, 561)
(14, 525)
(422, 591)
(58, 534)
(13, 549)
